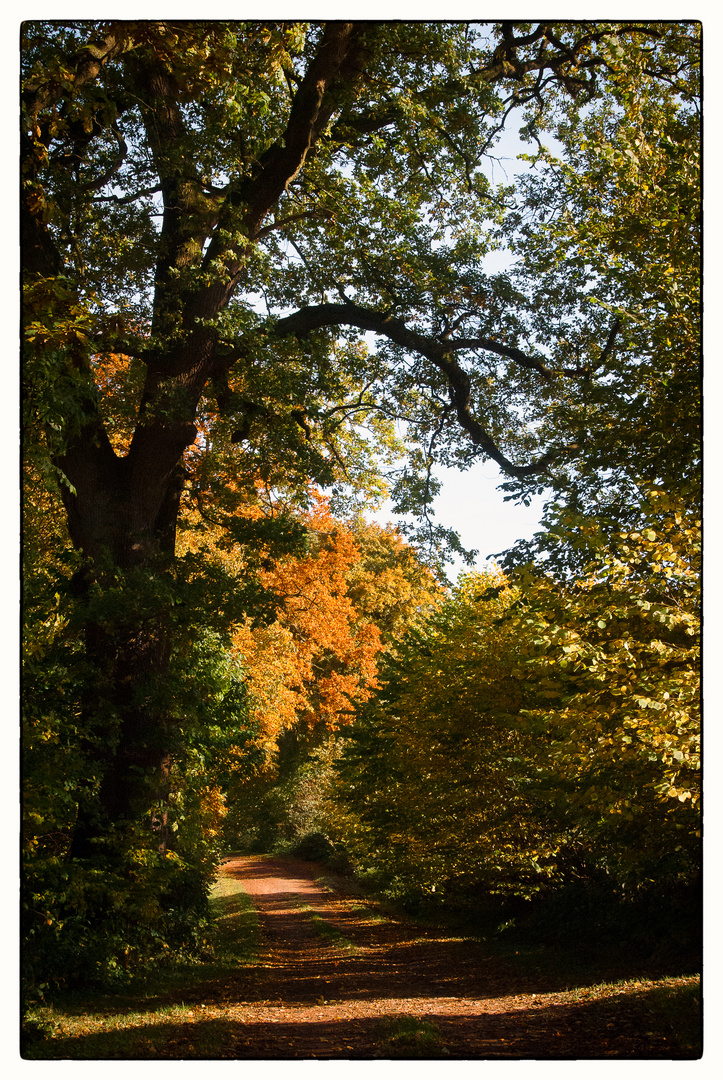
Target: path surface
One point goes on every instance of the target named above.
(331, 989)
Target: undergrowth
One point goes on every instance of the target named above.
(139, 1019)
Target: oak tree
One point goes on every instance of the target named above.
(218, 216)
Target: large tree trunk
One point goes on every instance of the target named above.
(135, 783)
(126, 532)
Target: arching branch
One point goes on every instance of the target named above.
(438, 353)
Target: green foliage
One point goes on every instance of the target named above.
(393, 211)
(608, 231)
(287, 808)
(435, 775)
(530, 737)
(130, 903)
(612, 665)
(231, 940)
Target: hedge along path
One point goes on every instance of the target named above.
(334, 980)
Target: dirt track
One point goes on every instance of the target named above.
(330, 989)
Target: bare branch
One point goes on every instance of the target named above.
(121, 200)
(283, 222)
(587, 369)
(95, 185)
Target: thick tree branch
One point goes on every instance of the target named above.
(498, 347)
(188, 214)
(307, 319)
(614, 330)
(338, 58)
(85, 66)
(338, 65)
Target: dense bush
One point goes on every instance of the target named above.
(536, 737)
(143, 893)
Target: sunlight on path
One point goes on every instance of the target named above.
(336, 978)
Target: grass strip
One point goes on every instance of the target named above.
(410, 1037)
(152, 1017)
(327, 931)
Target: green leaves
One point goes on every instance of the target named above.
(396, 210)
(539, 726)
(620, 202)
(430, 778)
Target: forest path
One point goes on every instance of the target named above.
(335, 979)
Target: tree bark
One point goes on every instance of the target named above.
(129, 649)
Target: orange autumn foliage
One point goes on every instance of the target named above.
(119, 380)
(319, 655)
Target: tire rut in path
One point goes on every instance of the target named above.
(324, 990)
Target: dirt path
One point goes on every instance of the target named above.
(334, 981)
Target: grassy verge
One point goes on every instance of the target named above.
(646, 975)
(236, 933)
(669, 1008)
(410, 1037)
(370, 914)
(158, 1014)
(326, 931)
(675, 1009)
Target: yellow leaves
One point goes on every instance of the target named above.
(681, 794)
(36, 203)
(648, 703)
(626, 704)
(212, 811)
(275, 677)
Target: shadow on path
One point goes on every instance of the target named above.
(334, 978)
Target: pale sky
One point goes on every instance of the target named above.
(469, 502)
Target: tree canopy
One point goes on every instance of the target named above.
(193, 182)
(257, 300)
